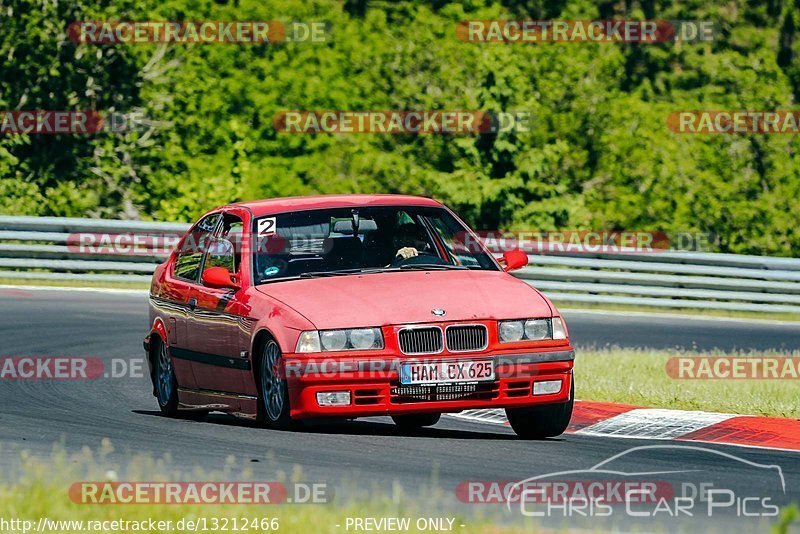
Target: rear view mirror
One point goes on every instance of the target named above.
(514, 259)
(346, 226)
(220, 277)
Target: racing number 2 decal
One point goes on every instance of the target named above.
(267, 226)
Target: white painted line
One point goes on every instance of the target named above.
(649, 423)
(111, 290)
(495, 416)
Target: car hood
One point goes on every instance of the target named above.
(381, 299)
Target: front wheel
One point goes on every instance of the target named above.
(166, 383)
(415, 421)
(273, 402)
(539, 422)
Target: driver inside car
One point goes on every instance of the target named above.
(410, 240)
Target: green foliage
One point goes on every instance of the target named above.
(598, 154)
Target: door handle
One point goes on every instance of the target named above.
(192, 303)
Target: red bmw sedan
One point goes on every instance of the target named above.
(353, 306)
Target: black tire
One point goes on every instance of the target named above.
(540, 422)
(166, 385)
(273, 392)
(415, 420)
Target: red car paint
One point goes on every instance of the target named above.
(215, 330)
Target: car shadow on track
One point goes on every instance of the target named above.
(368, 427)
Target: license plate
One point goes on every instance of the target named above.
(446, 372)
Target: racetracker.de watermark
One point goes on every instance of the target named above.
(505, 366)
(198, 32)
(734, 122)
(585, 31)
(204, 492)
(563, 491)
(408, 122)
(69, 368)
(733, 367)
(158, 244)
(75, 122)
(200, 242)
(586, 241)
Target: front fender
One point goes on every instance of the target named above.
(280, 321)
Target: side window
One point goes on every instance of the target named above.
(226, 249)
(187, 266)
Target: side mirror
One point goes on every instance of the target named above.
(220, 277)
(514, 259)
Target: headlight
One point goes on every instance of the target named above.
(531, 330)
(536, 329)
(364, 338)
(512, 330)
(335, 340)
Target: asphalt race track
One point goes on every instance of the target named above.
(370, 453)
(602, 328)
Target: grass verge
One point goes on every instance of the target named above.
(41, 492)
(39, 500)
(639, 377)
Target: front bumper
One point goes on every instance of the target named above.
(375, 389)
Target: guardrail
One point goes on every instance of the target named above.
(44, 248)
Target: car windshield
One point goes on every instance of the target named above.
(341, 241)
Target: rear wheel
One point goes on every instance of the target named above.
(416, 420)
(166, 383)
(539, 422)
(273, 401)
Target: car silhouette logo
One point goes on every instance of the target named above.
(438, 312)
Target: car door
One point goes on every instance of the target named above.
(218, 332)
(175, 301)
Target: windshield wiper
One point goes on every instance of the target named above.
(371, 270)
(315, 274)
(340, 272)
(431, 266)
